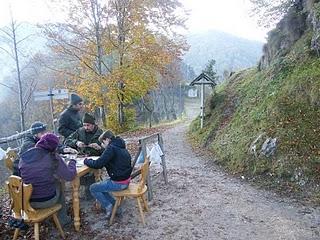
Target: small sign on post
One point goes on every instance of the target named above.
(202, 80)
(50, 95)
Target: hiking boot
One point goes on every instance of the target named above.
(108, 211)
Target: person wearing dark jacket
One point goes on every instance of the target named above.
(42, 167)
(86, 139)
(37, 129)
(117, 160)
(70, 119)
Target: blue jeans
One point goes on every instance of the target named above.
(100, 191)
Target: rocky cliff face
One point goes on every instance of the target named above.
(304, 15)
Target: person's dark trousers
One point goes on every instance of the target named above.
(87, 180)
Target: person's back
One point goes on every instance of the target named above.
(41, 165)
(119, 166)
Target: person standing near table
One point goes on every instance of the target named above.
(70, 119)
(117, 160)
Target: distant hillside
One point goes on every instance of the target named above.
(263, 123)
(230, 52)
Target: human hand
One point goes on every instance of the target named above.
(95, 146)
(80, 144)
(70, 150)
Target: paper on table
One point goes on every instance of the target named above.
(79, 163)
(80, 160)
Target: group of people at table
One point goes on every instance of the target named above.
(40, 164)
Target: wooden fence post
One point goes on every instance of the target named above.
(163, 160)
(149, 182)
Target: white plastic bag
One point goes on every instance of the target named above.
(155, 155)
(140, 159)
(2, 153)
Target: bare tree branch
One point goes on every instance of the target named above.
(11, 88)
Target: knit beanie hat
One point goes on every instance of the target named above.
(48, 141)
(107, 134)
(88, 118)
(75, 99)
(38, 127)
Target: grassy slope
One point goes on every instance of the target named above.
(283, 102)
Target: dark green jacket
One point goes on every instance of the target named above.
(87, 138)
(69, 122)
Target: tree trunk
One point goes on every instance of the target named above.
(21, 107)
(96, 17)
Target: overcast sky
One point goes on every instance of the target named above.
(227, 15)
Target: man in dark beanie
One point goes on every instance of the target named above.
(86, 141)
(70, 119)
(36, 131)
(86, 138)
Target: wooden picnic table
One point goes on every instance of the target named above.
(81, 171)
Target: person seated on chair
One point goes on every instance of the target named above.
(117, 160)
(42, 167)
(86, 141)
(36, 131)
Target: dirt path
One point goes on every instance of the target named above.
(202, 202)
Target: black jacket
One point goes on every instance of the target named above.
(28, 142)
(115, 158)
(69, 122)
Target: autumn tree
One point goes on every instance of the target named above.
(136, 40)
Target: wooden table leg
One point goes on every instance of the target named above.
(76, 203)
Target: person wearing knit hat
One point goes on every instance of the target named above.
(70, 119)
(75, 99)
(86, 141)
(88, 118)
(117, 160)
(40, 166)
(37, 129)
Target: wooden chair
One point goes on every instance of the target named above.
(11, 155)
(134, 190)
(20, 194)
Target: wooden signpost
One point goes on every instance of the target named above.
(202, 80)
(50, 95)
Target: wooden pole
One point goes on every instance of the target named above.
(202, 105)
(51, 109)
(149, 183)
(163, 160)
